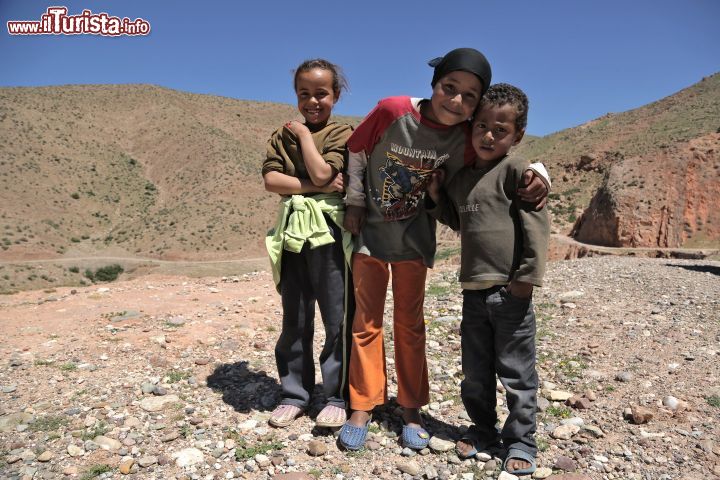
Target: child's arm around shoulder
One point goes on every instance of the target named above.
(534, 185)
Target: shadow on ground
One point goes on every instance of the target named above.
(243, 388)
(712, 269)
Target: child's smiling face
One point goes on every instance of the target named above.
(454, 98)
(315, 95)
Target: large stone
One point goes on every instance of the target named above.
(188, 457)
(440, 445)
(542, 472)
(566, 464)
(410, 467)
(155, 404)
(108, 443)
(147, 460)
(558, 395)
(75, 451)
(46, 456)
(316, 448)
(640, 415)
(571, 296)
(565, 432)
(8, 423)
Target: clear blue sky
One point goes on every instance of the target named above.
(576, 59)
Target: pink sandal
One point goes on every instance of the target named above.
(331, 417)
(284, 415)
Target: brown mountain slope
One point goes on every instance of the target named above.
(651, 173)
(134, 169)
(145, 171)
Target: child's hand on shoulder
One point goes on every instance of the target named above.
(533, 190)
(297, 128)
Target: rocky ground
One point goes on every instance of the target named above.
(169, 377)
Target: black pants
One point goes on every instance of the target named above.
(315, 275)
(498, 337)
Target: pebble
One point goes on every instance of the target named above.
(316, 448)
(571, 295)
(440, 445)
(262, 460)
(159, 391)
(580, 403)
(147, 461)
(176, 321)
(170, 437)
(131, 422)
(188, 457)
(566, 464)
(155, 404)
(9, 389)
(247, 425)
(75, 451)
(565, 432)
(408, 452)
(573, 421)
(46, 456)
(542, 472)
(483, 457)
(410, 467)
(558, 395)
(671, 402)
(506, 476)
(107, 443)
(126, 466)
(593, 430)
(640, 415)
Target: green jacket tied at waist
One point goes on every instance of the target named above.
(300, 219)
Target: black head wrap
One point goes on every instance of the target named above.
(465, 59)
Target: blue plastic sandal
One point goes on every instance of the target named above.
(517, 454)
(353, 437)
(415, 438)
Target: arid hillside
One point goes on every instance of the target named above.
(136, 173)
(133, 169)
(653, 172)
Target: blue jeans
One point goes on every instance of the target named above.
(498, 337)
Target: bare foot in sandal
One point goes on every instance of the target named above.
(516, 464)
(465, 448)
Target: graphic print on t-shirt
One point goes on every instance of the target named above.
(403, 186)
